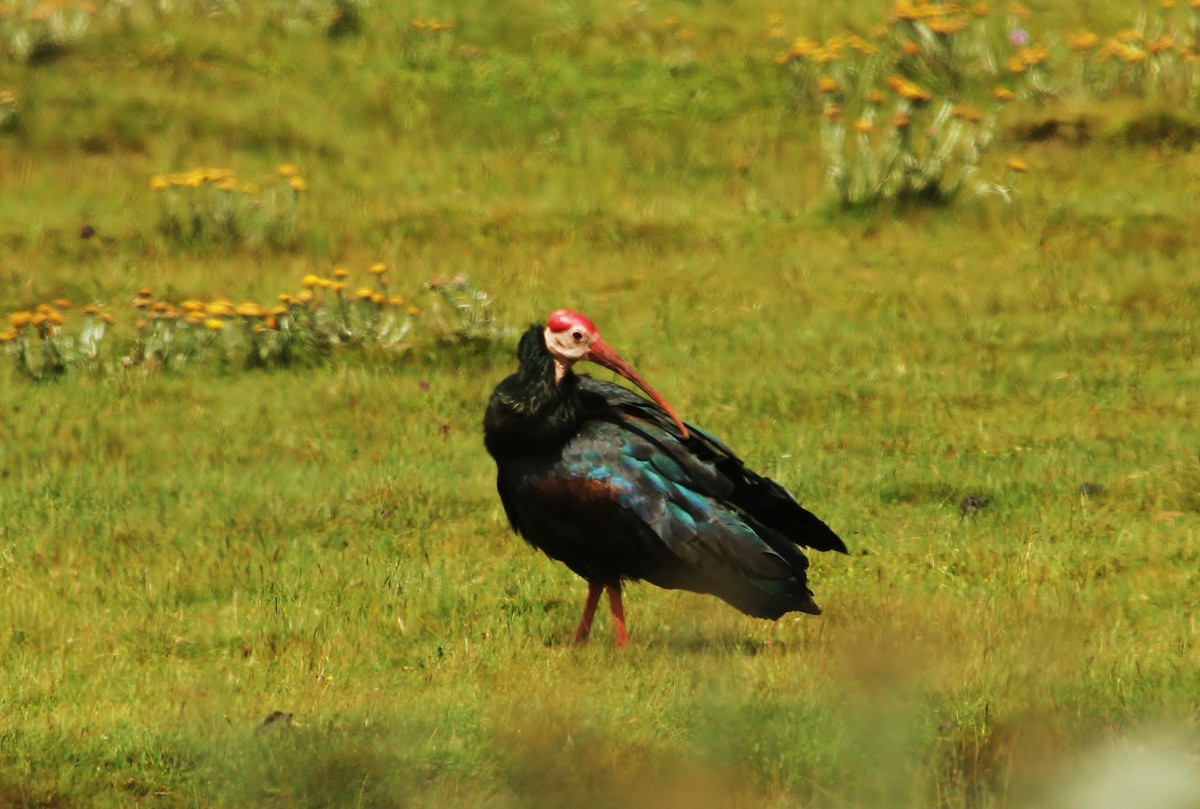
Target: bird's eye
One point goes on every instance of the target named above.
(577, 336)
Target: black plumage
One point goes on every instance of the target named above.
(617, 488)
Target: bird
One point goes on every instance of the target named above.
(618, 488)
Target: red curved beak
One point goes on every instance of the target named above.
(601, 353)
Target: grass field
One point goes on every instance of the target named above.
(185, 550)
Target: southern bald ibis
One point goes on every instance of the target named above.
(618, 488)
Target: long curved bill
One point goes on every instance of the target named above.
(602, 353)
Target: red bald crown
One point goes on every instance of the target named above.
(565, 319)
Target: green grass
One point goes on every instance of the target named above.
(184, 552)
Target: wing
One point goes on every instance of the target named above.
(718, 471)
(626, 500)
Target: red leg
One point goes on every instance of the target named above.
(618, 613)
(589, 611)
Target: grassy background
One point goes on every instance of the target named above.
(183, 553)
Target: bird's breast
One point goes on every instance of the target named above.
(594, 495)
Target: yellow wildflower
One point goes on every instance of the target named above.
(298, 185)
(863, 126)
(1134, 56)
(1003, 94)
(378, 268)
(904, 10)
(948, 26)
(340, 272)
(827, 84)
(212, 324)
(804, 47)
(249, 309)
(1034, 54)
(309, 281)
(62, 303)
(19, 320)
(9, 335)
(158, 182)
(364, 293)
(913, 92)
(287, 170)
(862, 45)
(1165, 42)
(1082, 41)
(1018, 165)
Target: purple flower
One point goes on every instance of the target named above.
(1018, 37)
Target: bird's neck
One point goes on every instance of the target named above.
(550, 396)
(538, 408)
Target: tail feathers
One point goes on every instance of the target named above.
(769, 599)
(756, 597)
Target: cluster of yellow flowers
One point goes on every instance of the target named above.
(1134, 47)
(322, 315)
(905, 10)
(328, 311)
(930, 41)
(44, 326)
(906, 108)
(224, 179)
(214, 314)
(337, 284)
(46, 320)
(205, 205)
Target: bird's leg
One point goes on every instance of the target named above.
(589, 611)
(618, 613)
